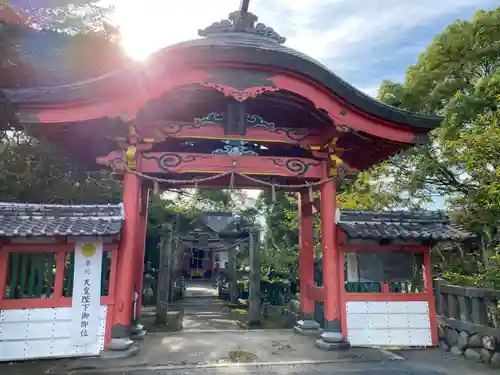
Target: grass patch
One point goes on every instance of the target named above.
(239, 356)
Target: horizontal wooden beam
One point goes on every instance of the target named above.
(386, 297)
(315, 293)
(390, 247)
(263, 133)
(193, 163)
(469, 292)
(47, 248)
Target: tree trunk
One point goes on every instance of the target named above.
(233, 282)
(254, 315)
(163, 283)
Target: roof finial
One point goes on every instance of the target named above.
(244, 6)
(242, 21)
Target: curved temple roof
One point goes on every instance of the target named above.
(42, 220)
(238, 40)
(400, 225)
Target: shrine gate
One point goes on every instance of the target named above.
(233, 109)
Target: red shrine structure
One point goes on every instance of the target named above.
(234, 108)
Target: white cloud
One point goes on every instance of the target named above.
(348, 26)
(348, 35)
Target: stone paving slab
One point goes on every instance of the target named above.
(337, 368)
(205, 313)
(194, 349)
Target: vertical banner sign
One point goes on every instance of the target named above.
(86, 292)
(223, 259)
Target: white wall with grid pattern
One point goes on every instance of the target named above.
(388, 323)
(44, 333)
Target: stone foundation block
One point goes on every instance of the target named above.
(307, 332)
(121, 354)
(321, 344)
(332, 337)
(138, 336)
(137, 328)
(308, 324)
(120, 344)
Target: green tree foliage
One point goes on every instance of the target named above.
(73, 37)
(32, 169)
(458, 76)
(178, 209)
(280, 238)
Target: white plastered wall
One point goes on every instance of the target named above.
(404, 323)
(44, 333)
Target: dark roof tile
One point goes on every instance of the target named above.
(24, 219)
(403, 225)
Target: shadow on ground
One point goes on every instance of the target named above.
(446, 362)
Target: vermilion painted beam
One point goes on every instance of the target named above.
(48, 248)
(341, 272)
(390, 247)
(4, 260)
(428, 287)
(386, 297)
(315, 293)
(43, 303)
(141, 243)
(123, 307)
(270, 134)
(164, 162)
(330, 259)
(119, 102)
(306, 251)
(341, 112)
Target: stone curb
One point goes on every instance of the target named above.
(129, 369)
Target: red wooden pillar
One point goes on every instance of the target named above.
(331, 280)
(306, 253)
(4, 260)
(428, 289)
(125, 278)
(141, 245)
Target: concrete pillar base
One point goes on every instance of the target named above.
(119, 354)
(323, 345)
(332, 337)
(120, 331)
(137, 333)
(120, 344)
(307, 328)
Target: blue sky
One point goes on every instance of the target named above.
(363, 41)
